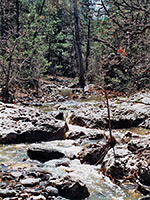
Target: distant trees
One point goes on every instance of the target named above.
(126, 28)
(21, 57)
(105, 41)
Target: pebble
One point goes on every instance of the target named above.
(40, 197)
(24, 195)
(52, 191)
(30, 181)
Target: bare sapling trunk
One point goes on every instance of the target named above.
(112, 139)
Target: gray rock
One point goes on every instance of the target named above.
(32, 191)
(139, 145)
(30, 181)
(60, 198)
(123, 115)
(52, 191)
(70, 188)
(131, 160)
(16, 174)
(64, 162)
(128, 136)
(40, 197)
(44, 155)
(144, 175)
(20, 124)
(7, 193)
(91, 135)
(93, 153)
(58, 115)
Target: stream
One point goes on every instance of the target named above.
(100, 187)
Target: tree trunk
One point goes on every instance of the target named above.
(2, 19)
(78, 44)
(88, 45)
(49, 51)
(17, 16)
(42, 7)
(5, 90)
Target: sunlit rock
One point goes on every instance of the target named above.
(122, 115)
(20, 124)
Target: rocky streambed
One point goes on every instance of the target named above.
(72, 157)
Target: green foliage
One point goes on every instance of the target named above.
(46, 44)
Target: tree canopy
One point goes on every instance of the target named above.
(105, 41)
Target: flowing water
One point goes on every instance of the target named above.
(100, 187)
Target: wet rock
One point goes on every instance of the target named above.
(126, 160)
(7, 193)
(119, 163)
(6, 177)
(3, 185)
(75, 135)
(30, 182)
(52, 191)
(123, 115)
(44, 155)
(145, 124)
(44, 176)
(24, 195)
(64, 162)
(40, 197)
(139, 145)
(130, 161)
(70, 188)
(143, 179)
(20, 124)
(128, 136)
(144, 189)
(60, 107)
(47, 89)
(144, 175)
(32, 191)
(58, 115)
(93, 153)
(145, 198)
(89, 134)
(12, 198)
(60, 198)
(16, 174)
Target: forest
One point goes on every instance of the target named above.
(106, 42)
(74, 99)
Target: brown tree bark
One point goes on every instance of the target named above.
(2, 19)
(88, 45)
(78, 45)
(17, 16)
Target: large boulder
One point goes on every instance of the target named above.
(20, 124)
(46, 151)
(44, 155)
(70, 188)
(89, 134)
(93, 153)
(129, 161)
(123, 114)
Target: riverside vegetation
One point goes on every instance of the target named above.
(58, 59)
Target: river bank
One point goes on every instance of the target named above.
(72, 150)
